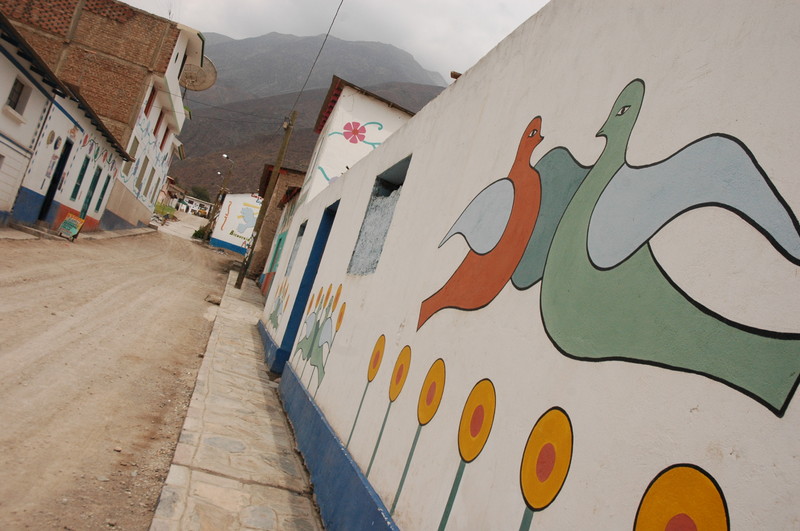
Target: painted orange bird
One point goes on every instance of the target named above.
(497, 226)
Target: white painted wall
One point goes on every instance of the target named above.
(236, 219)
(736, 76)
(17, 130)
(357, 125)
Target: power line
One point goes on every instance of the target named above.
(317, 57)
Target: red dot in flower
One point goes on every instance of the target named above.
(375, 360)
(431, 394)
(476, 422)
(399, 375)
(545, 462)
(681, 522)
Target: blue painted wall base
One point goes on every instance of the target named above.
(216, 242)
(346, 499)
(274, 356)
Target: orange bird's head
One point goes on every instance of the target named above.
(530, 139)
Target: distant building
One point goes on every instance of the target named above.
(126, 64)
(352, 123)
(51, 140)
(171, 194)
(235, 221)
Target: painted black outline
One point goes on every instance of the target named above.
(547, 252)
(730, 208)
(444, 386)
(569, 465)
(697, 468)
(532, 167)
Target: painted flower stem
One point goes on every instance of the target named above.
(347, 445)
(452, 497)
(405, 470)
(378, 442)
(527, 518)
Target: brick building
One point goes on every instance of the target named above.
(126, 64)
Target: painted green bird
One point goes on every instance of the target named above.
(604, 295)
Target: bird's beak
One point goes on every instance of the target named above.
(600, 133)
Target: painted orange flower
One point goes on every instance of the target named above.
(336, 298)
(319, 297)
(310, 305)
(546, 459)
(476, 420)
(341, 316)
(400, 373)
(430, 396)
(682, 497)
(376, 358)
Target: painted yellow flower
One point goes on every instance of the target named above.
(682, 498)
(546, 459)
(400, 373)
(376, 358)
(341, 316)
(327, 295)
(430, 396)
(336, 298)
(476, 420)
(319, 297)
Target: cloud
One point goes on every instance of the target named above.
(443, 35)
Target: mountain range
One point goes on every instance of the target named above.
(258, 83)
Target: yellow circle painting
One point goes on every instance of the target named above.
(376, 358)
(400, 373)
(476, 420)
(430, 396)
(546, 459)
(682, 498)
(341, 316)
(336, 297)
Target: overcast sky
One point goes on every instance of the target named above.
(442, 35)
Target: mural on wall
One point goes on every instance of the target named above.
(682, 497)
(354, 133)
(430, 396)
(320, 330)
(508, 227)
(282, 297)
(399, 375)
(545, 462)
(375, 360)
(596, 262)
(474, 429)
(604, 294)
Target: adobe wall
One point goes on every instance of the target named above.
(609, 338)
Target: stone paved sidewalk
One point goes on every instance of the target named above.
(235, 466)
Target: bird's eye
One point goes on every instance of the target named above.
(533, 133)
(623, 110)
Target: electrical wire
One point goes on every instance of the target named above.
(316, 58)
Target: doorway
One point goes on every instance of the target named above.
(55, 180)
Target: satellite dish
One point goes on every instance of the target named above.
(196, 77)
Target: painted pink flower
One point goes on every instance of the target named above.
(354, 132)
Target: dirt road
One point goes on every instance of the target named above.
(100, 342)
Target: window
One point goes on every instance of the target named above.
(149, 181)
(102, 193)
(141, 174)
(150, 100)
(134, 148)
(167, 133)
(18, 97)
(377, 219)
(158, 123)
(295, 247)
(78, 183)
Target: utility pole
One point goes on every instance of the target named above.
(276, 168)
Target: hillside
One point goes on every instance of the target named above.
(258, 82)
